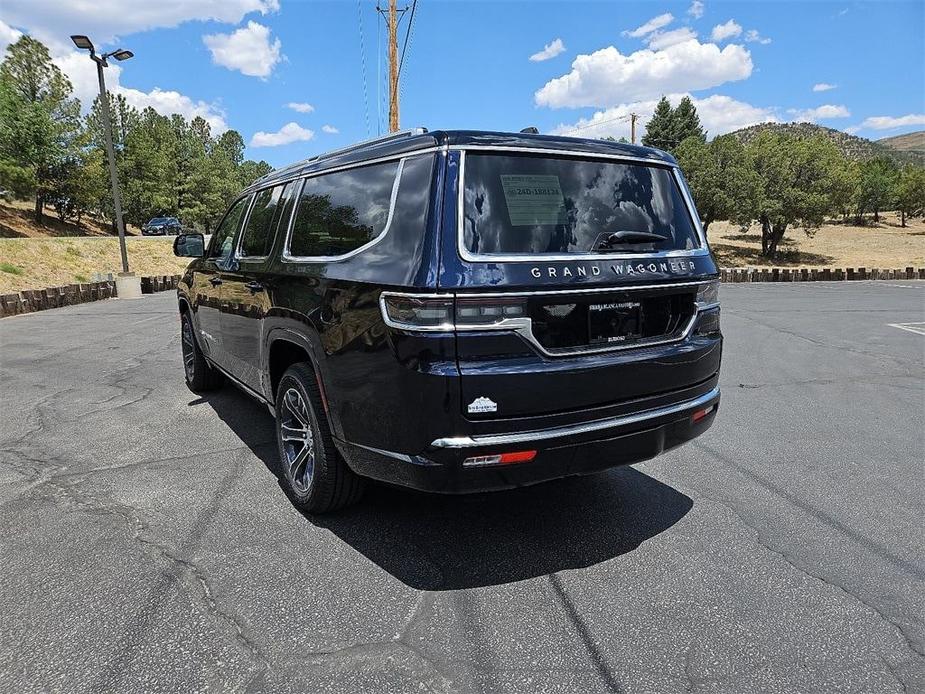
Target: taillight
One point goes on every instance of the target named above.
(438, 312)
(417, 312)
(700, 414)
(478, 312)
(708, 294)
(708, 322)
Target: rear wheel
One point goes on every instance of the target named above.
(316, 477)
(200, 377)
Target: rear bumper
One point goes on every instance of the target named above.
(576, 449)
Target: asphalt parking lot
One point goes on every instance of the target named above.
(145, 544)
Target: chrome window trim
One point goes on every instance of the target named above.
(301, 176)
(523, 327)
(289, 258)
(575, 429)
(468, 256)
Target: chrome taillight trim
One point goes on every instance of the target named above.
(526, 437)
(523, 327)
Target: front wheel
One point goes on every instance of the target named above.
(316, 477)
(200, 377)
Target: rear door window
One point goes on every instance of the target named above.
(536, 205)
(343, 211)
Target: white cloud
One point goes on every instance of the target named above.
(550, 50)
(82, 73)
(291, 132)
(752, 36)
(824, 112)
(301, 107)
(823, 87)
(662, 39)
(650, 26)
(889, 122)
(52, 21)
(730, 29)
(247, 50)
(606, 77)
(718, 114)
(329, 129)
(8, 35)
(696, 9)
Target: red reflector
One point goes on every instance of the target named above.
(700, 414)
(521, 457)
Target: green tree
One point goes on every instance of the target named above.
(795, 175)
(660, 131)
(910, 192)
(251, 170)
(846, 180)
(722, 180)
(41, 128)
(877, 189)
(687, 122)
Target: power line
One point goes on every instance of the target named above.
(363, 63)
(594, 125)
(404, 48)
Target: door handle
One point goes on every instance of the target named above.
(215, 281)
(254, 286)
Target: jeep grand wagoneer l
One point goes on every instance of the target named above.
(459, 311)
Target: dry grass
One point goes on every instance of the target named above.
(36, 263)
(883, 245)
(17, 220)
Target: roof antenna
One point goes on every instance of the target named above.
(531, 131)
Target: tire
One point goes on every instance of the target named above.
(315, 476)
(200, 377)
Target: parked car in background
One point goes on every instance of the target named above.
(162, 226)
(460, 311)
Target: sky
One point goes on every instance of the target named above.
(296, 78)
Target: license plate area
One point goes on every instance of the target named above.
(614, 323)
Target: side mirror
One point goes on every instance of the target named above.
(189, 246)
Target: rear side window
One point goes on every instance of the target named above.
(342, 211)
(523, 204)
(258, 234)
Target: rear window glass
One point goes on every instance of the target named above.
(521, 204)
(341, 211)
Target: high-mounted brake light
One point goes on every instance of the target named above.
(500, 459)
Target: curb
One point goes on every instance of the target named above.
(786, 274)
(30, 300)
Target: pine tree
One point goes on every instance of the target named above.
(660, 131)
(687, 122)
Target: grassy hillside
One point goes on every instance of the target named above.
(36, 263)
(910, 142)
(851, 146)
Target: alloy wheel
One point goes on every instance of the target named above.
(295, 432)
(189, 349)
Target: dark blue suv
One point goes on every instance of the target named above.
(460, 311)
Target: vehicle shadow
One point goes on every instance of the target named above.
(437, 542)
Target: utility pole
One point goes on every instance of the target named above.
(633, 117)
(393, 66)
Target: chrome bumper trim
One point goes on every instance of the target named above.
(597, 425)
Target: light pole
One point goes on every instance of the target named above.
(85, 43)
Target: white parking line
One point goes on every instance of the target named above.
(917, 328)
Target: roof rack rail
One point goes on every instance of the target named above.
(411, 132)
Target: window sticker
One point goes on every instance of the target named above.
(533, 199)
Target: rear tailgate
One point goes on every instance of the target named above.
(583, 321)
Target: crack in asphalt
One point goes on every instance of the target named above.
(597, 658)
(761, 541)
(139, 533)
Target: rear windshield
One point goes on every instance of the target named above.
(522, 204)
